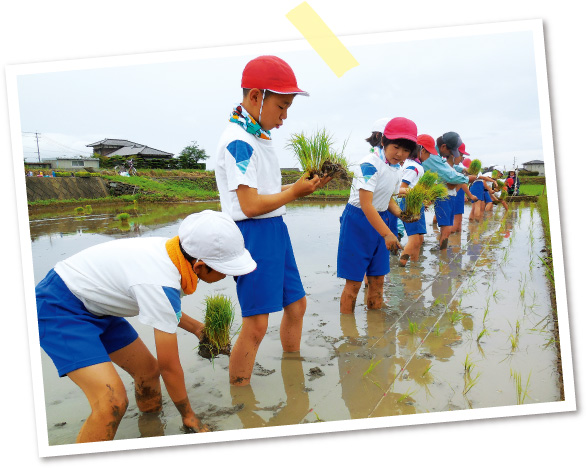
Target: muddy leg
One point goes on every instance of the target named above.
(348, 298)
(107, 397)
(292, 321)
(137, 360)
(242, 358)
(444, 234)
(375, 297)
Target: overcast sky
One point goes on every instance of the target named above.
(484, 87)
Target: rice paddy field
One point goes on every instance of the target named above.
(468, 328)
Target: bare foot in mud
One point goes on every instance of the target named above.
(403, 260)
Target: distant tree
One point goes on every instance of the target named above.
(190, 156)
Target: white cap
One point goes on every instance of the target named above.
(214, 238)
(379, 124)
(499, 169)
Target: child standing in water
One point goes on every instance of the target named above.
(365, 236)
(412, 171)
(249, 182)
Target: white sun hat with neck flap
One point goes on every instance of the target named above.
(214, 238)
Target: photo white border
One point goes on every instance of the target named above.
(534, 26)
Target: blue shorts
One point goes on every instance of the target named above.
(478, 190)
(72, 336)
(460, 202)
(361, 249)
(276, 282)
(418, 227)
(444, 210)
(392, 224)
(487, 197)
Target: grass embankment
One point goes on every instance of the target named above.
(549, 271)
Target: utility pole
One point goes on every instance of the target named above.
(38, 152)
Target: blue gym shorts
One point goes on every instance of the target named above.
(460, 202)
(72, 336)
(444, 210)
(276, 282)
(360, 247)
(392, 224)
(478, 190)
(418, 227)
(487, 197)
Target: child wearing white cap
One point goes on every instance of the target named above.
(248, 177)
(83, 301)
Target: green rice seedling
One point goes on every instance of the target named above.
(474, 167)
(437, 329)
(414, 200)
(428, 179)
(521, 392)
(482, 334)
(468, 365)
(470, 382)
(427, 370)
(496, 295)
(515, 337)
(455, 316)
(218, 321)
(123, 217)
(88, 209)
(371, 367)
(413, 327)
(316, 156)
(79, 210)
(405, 395)
(438, 191)
(486, 312)
(549, 270)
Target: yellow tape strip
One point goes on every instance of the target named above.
(322, 39)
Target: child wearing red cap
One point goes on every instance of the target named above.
(365, 236)
(412, 172)
(249, 182)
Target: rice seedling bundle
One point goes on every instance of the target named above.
(425, 192)
(218, 321)
(474, 167)
(317, 156)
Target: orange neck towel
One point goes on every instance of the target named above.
(189, 280)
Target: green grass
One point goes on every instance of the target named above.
(175, 189)
(531, 189)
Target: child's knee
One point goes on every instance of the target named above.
(255, 327)
(112, 404)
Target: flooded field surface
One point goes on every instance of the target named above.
(471, 327)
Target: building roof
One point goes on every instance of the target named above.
(138, 150)
(129, 148)
(112, 142)
(533, 162)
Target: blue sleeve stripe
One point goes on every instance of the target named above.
(406, 181)
(174, 297)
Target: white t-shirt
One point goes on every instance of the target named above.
(244, 159)
(412, 171)
(125, 278)
(378, 177)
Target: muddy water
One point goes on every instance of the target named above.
(456, 330)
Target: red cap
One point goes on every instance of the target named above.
(462, 149)
(270, 73)
(401, 127)
(427, 142)
(466, 162)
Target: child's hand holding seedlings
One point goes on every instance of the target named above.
(324, 180)
(304, 186)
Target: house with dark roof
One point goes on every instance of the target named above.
(113, 147)
(534, 166)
